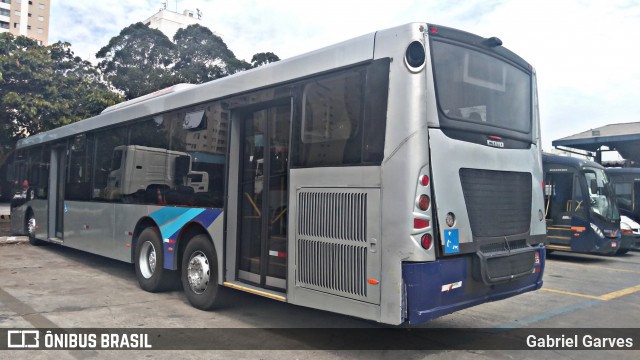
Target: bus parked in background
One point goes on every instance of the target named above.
(395, 177)
(581, 211)
(626, 183)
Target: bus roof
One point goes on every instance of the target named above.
(624, 170)
(550, 159)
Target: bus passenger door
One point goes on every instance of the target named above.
(56, 193)
(263, 198)
(563, 201)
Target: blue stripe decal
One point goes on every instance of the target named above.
(172, 219)
(167, 214)
(174, 226)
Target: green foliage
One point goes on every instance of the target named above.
(264, 58)
(138, 61)
(201, 55)
(141, 60)
(43, 87)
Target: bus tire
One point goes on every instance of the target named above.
(30, 228)
(200, 273)
(151, 274)
(621, 252)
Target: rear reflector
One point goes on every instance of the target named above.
(426, 241)
(423, 202)
(420, 223)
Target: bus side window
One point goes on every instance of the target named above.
(105, 147)
(331, 121)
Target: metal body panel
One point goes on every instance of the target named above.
(89, 227)
(447, 183)
(335, 231)
(406, 153)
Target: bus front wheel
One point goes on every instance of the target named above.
(200, 273)
(151, 274)
(30, 227)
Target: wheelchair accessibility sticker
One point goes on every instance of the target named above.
(451, 241)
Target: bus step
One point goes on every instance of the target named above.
(256, 290)
(55, 240)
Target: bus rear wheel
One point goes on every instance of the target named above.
(200, 273)
(151, 274)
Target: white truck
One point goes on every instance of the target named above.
(139, 169)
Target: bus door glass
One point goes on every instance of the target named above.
(56, 191)
(264, 197)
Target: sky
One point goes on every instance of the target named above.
(586, 53)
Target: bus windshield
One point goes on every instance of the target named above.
(600, 194)
(478, 88)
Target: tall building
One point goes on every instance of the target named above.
(169, 22)
(28, 18)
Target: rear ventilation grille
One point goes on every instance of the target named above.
(340, 216)
(336, 267)
(331, 241)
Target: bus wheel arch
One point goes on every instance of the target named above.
(199, 271)
(149, 261)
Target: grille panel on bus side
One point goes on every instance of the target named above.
(343, 215)
(498, 202)
(332, 248)
(332, 266)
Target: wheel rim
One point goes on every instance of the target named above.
(31, 226)
(147, 260)
(198, 272)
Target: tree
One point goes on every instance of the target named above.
(44, 87)
(263, 58)
(138, 61)
(202, 56)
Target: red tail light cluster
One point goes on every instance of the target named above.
(422, 230)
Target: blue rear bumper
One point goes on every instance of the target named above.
(434, 288)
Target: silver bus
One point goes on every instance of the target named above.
(394, 177)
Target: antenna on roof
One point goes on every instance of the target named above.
(164, 5)
(199, 13)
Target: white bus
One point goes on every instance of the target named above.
(395, 177)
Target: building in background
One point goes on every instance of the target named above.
(27, 18)
(169, 22)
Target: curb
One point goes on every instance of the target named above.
(5, 240)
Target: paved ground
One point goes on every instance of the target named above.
(52, 286)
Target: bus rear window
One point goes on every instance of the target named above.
(478, 88)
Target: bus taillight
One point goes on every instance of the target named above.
(426, 241)
(424, 180)
(423, 202)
